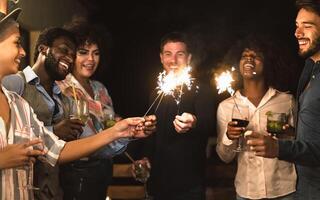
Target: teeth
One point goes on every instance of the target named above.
(249, 65)
(64, 64)
(17, 61)
(89, 65)
(302, 42)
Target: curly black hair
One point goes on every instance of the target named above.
(275, 66)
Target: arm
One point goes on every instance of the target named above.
(225, 146)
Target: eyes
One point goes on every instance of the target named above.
(18, 42)
(252, 56)
(179, 54)
(83, 52)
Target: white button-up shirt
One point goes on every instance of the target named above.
(257, 177)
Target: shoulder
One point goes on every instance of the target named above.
(14, 82)
(283, 95)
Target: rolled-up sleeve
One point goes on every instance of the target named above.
(225, 146)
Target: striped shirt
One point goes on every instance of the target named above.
(22, 115)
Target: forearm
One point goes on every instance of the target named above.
(300, 152)
(83, 147)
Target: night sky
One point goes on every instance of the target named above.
(136, 27)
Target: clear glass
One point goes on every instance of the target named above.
(241, 115)
(142, 173)
(79, 109)
(275, 123)
(109, 120)
(27, 131)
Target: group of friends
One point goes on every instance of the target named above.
(75, 161)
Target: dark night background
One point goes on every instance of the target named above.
(136, 28)
(133, 30)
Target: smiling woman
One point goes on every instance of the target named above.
(10, 41)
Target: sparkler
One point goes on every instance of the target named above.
(172, 84)
(223, 82)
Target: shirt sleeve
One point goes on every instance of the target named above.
(225, 146)
(14, 83)
(52, 145)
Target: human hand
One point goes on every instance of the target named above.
(16, 155)
(68, 129)
(144, 162)
(149, 126)
(128, 127)
(288, 132)
(234, 132)
(263, 145)
(183, 123)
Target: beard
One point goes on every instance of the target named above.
(51, 66)
(313, 49)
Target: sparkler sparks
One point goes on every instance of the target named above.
(172, 84)
(223, 82)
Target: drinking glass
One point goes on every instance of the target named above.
(275, 122)
(240, 114)
(79, 109)
(109, 120)
(142, 173)
(27, 132)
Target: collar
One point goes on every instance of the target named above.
(268, 95)
(32, 77)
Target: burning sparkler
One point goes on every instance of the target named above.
(223, 82)
(172, 84)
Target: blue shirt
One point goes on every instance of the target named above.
(305, 150)
(16, 84)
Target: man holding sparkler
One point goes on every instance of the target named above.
(177, 150)
(256, 178)
(304, 151)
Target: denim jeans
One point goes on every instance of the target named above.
(287, 197)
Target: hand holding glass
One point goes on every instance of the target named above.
(275, 123)
(240, 114)
(142, 173)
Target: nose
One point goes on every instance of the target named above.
(22, 52)
(90, 57)
(298, 33)
(249, 58)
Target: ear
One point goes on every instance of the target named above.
(43, 49)
(161, 57)
(189, 58)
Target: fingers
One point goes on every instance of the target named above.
(181, 127)
(75, 123)
(133, 121)
(31, 143)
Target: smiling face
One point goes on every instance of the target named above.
(60, 58)
(87, 61)
(251, 64)
(308, 33)
(174, 56)
(11, 51)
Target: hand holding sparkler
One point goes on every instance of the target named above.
(184, 122)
